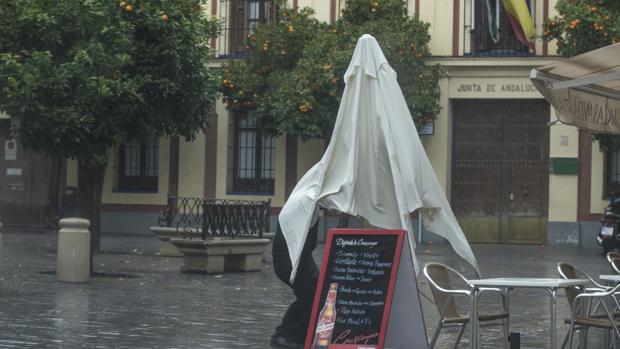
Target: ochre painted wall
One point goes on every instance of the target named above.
(439, 146)
(192, 167)
(597, 203)
(321, 7)
(439, 15)
(308, 153)
(563, 143)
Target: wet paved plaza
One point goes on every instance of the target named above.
(141, 300)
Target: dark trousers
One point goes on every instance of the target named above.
(297, 317)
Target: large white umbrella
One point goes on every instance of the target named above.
(375, 166)
(584, 90)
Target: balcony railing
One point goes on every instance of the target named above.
(240, 16)
(508, 45)
(481, 41)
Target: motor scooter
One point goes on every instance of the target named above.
(608, 235)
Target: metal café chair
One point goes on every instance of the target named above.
(444, 294)
(615, 264)
(611, 255)
(568, 271)
(579, 302)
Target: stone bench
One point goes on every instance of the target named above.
(218, 255)
(165, 234)
(215, 235)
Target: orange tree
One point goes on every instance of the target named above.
(582, 26)
(291, 79)
(79, 77)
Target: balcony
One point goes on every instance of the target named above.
(485, 42)
(241, 17)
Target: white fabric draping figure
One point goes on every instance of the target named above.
(375, 166)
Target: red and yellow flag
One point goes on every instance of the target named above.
(521, 21)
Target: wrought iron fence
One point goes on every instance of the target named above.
(217, 217)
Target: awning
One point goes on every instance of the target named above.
(585, 89)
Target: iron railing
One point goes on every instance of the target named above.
(241, 17)
(482, 42)
(217, 217)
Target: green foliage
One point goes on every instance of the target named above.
(78, 77)
(292, 77)
(583, 26)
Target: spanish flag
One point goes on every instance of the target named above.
(521, 21)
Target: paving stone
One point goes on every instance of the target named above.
(138, 299)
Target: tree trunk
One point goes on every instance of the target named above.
(88, 202)
(54, 203)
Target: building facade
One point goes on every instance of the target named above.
(509, 176)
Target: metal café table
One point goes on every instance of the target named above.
(508, 283)
(612, 278)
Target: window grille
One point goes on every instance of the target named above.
(137, 166)
(485, 42)
(241, 16)
(253, 169)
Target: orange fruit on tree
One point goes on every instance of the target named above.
(128, 8)
(164, 17)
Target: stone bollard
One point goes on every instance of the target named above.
(73, 263)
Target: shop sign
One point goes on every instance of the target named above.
(493, 88)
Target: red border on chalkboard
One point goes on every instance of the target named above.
(390, 292)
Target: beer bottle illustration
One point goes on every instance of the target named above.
(327, 318)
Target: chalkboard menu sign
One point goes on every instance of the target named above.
(354, 294)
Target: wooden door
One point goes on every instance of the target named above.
(500, 165)
(28, 182)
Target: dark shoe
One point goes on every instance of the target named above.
(281, 342)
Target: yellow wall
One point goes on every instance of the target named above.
(192, 167)
(159, 198)
(597, 203)
(3, 115)
(439, 15)
(277, 200)
(439, 146)
(308, 153)
(563, 189)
